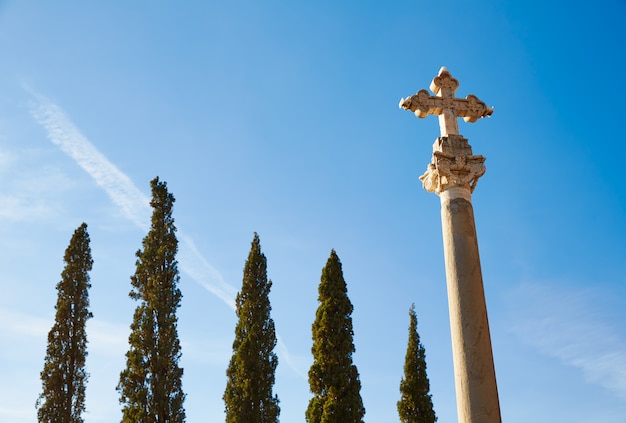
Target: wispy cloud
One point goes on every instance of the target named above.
(104, 338)
(118, 186)
(6, 158)
(17, 208)
(566, 324)
(21, 324)
(31, 192)
(24, 337)
(133, 203)
(16, 412)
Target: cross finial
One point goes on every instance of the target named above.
(445, 105)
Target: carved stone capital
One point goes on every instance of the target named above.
(452, 165)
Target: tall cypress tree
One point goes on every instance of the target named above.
(333, 378)
(64, 376)
(415, 405)
(248, 396)
(150, 387)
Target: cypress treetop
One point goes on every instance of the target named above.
(151, 387)
(64, 376)
(415, 405)
(333, 378)
(250, 375)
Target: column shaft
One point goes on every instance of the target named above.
(474, 374)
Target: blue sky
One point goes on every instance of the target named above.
(282, 118)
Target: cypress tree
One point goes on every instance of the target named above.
(333, 378)
(415, 405)
(150, 387)
(64, 376)
(250, 375)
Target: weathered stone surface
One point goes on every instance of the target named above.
(445, 105)
(474, 373)
(452, 165)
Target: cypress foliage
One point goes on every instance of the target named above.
(248, 396)
(64, 376)
(150, 387)
(415, 405)
(333, 378)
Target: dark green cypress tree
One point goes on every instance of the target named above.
(415, 405)
(151, 387)
(333, 378)
(248, 396)
(64, 376)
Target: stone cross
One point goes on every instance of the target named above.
(444, 104)
(452, 174)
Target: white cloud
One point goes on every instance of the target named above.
(566, 325)
(20, 209)
(20, 324)
(12, 413)
(30, 189)
(6, 158)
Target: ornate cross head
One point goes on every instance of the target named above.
(445, 105)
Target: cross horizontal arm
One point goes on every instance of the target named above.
(423, 104)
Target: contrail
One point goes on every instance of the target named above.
(202, 272)
(118, 186)
(133, 203)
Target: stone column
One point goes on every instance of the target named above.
(452, 175)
